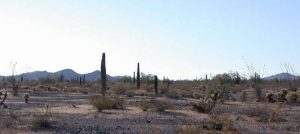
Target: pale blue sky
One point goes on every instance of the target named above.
(179, 39)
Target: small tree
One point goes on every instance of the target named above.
(103, 74)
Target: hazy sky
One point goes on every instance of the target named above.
(178, 39)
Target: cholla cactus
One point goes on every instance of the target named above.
(243, 96)
(281, 95)
(156, 84)
(269, 97)
(292, 96)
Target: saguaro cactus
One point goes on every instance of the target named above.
(83, 79)
(133, 77)
(156, 84)
(103, 74)
(138, 77)
(80, 81)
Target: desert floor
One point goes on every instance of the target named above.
(71, 113)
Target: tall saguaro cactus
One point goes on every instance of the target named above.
(138, 77)
(103, 74)
(83, 79)
(156, 84)
(133, 77)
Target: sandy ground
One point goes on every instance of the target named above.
(71, 113)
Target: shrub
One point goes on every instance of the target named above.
(161, 106)
(121, 87)
(223, 122)
(102, 102)
(203, 105)
(41, 122)
(145, 105)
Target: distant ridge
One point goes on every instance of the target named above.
(282, 76)
(68, 74)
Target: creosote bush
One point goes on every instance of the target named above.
(101, 102)
(159, 105)
(145, 105)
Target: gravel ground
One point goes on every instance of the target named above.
(70, 113)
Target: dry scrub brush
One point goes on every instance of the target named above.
(102, 102)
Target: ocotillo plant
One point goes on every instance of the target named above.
(156, 84)
(138, 78)
(103, 74)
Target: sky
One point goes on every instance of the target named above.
(179, 39)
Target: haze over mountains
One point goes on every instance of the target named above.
(70, 74)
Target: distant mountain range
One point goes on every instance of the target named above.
(68, 74)
(282, 76)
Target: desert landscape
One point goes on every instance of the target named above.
(227, 103)
(149, 67)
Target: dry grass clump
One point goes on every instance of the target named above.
(103, 102)
(222, 123)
